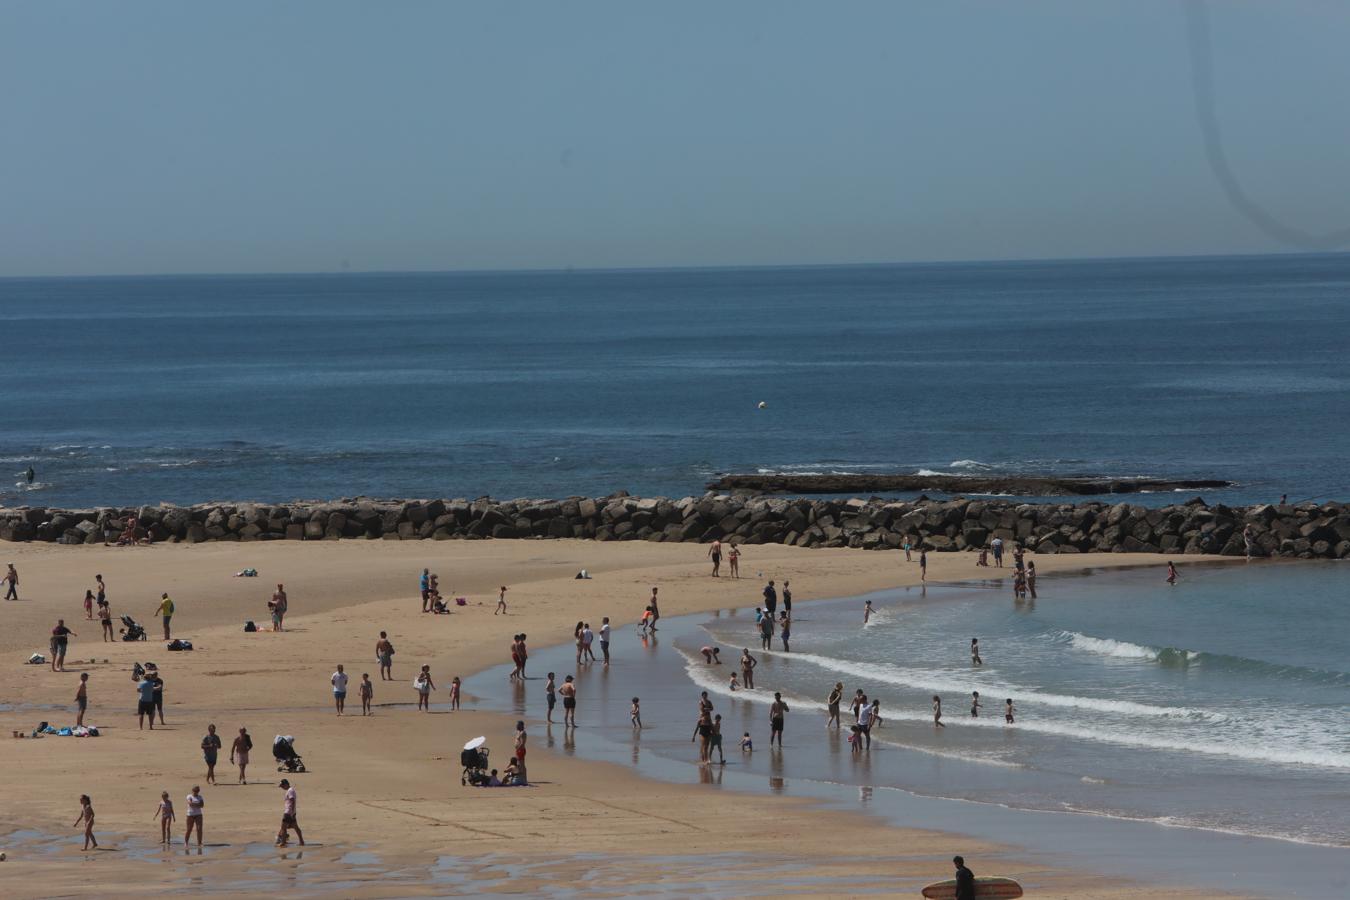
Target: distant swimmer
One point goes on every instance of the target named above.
(30, 475)
(867, 611)
(975, 704)
(1008, 711)
(975, 652)
(1172, 573)
(937, 711)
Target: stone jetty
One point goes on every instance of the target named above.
(1304, 530)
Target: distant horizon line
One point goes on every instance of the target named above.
(728, 267)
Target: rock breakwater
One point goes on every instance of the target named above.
(1304, 530)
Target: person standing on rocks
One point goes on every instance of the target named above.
(714, 553)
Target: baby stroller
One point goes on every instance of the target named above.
(474, 759)
(283, 751)
(131, 630)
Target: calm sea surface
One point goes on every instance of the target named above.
(122, 390)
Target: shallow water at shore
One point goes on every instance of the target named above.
(1234, 728)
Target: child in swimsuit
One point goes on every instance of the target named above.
(635, 714)
(454, 692)
(165, 815)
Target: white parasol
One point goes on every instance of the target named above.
(475, 743)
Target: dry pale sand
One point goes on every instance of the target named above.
(387, 786)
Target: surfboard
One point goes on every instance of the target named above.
(987, 887)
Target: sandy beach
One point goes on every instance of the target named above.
(381, 803)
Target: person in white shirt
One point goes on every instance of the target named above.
(587, 638)
(288, 817)
(865, 723)
(604, 638)
(339, 681)
(195, 802)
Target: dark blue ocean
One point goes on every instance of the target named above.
(129, 390)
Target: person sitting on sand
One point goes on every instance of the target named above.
(710, 655)
(515, 774)
(494, 780)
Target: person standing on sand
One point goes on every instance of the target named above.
(734, 558)
(715, 741)
(100, 590)
(501, 601)
(384, 652)
(748, 664)
(278, 605)
(87, 817)
(12, 576)
(60, 638)
(210, 752)
(425, 584)
(105, 621)
(770, 598)
(195, 803)
(165, 611)
(288, 816)
(965, 880)
(89, 605)
(339, 682)
(859, 701)
(524, 655)
(937, 711)
(239, 751)
(550, 697)
(997, 546)
(367, 693)
(975, 652)
(82, 698)
(164, 812)
(832, 704)
(145, 702)
(521, 738)
(158, 681)
(424, 686)
(569, 695)
(923, 563)
(715, 554)
(587, 640)
(515, 654)
(777, 710)
(1249, 540)
(909, 545)
(604, 638)
(865, 725)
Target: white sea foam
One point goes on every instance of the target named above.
(1109, 647)
(970, 464)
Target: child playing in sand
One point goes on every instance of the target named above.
(1008, 711)
(367, 693)
(87, 817)
(710, 655)
(733, 685)
(454, 693)
(165, 815)
(645, 624)
(937, 711)
(501, 601)
(747, 745)
(635, 714)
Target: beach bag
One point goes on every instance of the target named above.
(250, 626)
(37, 659)
(177, 644)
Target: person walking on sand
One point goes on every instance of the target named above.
(145, 702)
(239, 751)
(367, 689)
(105, 621)
(384, 652)
(501, 601)
(424, 686)
(12, 576)
(856, 705)
(424, 583)
(937, 711)
(339, 682)
(278, 605)
(965, 880)
(923, 563)
(777, 710)
(604, 638)
(748, 664)
(715, 554)
(81, 699)
(195, 803)
(974, 704)
(734, 559)
(975, 652)
(569, 695)
(515, 652)
(770, 598)
(164, 812)
(832, 704)
(89, 605)
(60, 639)
(87, 818)
(715, 741)
(524, 655)
(210, 752)
(165, 612)
(550, 697)
(1172, 575)
(521, 738)
(288, 816)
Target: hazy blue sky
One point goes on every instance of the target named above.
(238, 137)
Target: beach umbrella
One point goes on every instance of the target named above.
(475, 743)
